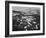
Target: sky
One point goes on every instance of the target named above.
(27, 10)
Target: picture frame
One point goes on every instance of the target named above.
(16, 6)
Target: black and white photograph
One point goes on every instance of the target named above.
(25, 18)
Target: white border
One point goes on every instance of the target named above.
(25, 32)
